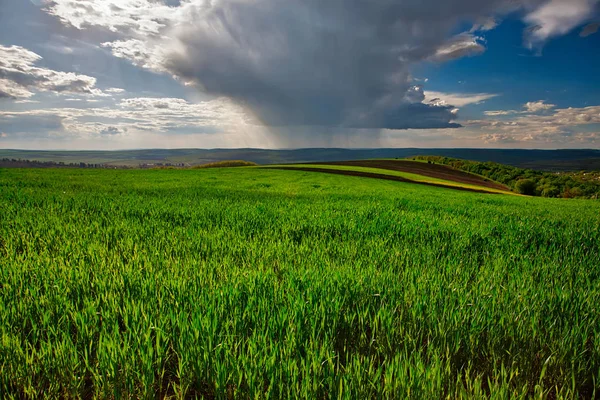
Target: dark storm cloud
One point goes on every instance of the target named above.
(334, 63)
(337, 63)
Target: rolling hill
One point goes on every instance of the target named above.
(407, 171)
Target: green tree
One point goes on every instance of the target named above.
(525, 186)
(550, 191)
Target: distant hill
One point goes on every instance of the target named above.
(549, 160)
(565, 184)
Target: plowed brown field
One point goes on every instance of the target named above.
(420, 168)
(379, 176)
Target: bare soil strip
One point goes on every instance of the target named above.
(421, 168)
(379, 176)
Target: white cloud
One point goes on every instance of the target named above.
(531, 107)
(568, 125)
(498, 138)
(142, 114)
(115, 90)
(556, 18)
(145, 17)
(173, 122)
(537, 106)
(141, 53)
(457, 99)
(12, 90)
(463, 45)
(500, 113)
(26, 101)
(19, 76)
(135, 123)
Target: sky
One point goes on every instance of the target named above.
(127, 74)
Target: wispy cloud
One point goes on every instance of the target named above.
(457, 99)
(531, 107)
(463, 45)
(556, 18)
(589, 29)
(499, 113)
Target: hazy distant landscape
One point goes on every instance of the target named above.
(549, 160)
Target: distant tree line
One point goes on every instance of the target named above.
(226, 163)
(583, 184)
(162, 165)
(20, 163)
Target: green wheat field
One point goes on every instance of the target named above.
(257, 283)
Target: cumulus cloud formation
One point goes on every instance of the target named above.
(537, 106)
(133, 114)
(338, 64)
(553, 127)
(12, 90)
(134, 123)
(19, 76)
(124, 16)
(141, 53)
(314, 63)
